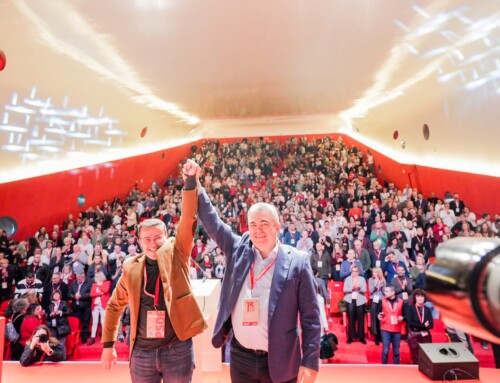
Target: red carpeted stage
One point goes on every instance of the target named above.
(84, 372)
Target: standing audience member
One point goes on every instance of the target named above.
(42, 347)
(79, 292)
(355, 289)
(390, 314)
(57, 317)
(419, 318)
(376, 285)
(6, 280)
(100, 297)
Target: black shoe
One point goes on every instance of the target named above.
(349, 341)
(363, 341)
(377, 342)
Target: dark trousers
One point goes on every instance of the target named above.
(356, 316)
(414, 339)
(83, 314)
(246, 366)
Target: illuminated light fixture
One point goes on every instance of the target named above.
(19, 109)
(38, 103)
(115, 132)
(75, 154)
(53, 121)
(60, 131)
(30, 156)
(95, 142)
(12, 128)
(96, 121)
(43, 142)
(78, 135)
(13, 148)
(49, 149)
(156, 103)
(63, 113)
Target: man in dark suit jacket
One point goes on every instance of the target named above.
(277, 279)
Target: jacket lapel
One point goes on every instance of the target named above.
(136, 279)
(279, 278)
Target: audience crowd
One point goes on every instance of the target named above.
(357, 231)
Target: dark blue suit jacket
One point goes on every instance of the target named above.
(293, 292)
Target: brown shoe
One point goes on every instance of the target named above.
(91, 341)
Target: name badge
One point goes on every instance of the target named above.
(292, 241)
(377, 263)
(54, 322)
(376, 298)
(424, 333)
(394, 319)
(320, 263)
(354, 295)
(337, 267)
(405, 296)
(155, 327)
(4, 285)
(251, 308)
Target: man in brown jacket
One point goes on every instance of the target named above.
(164, 314)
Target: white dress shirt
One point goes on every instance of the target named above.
(255, 337)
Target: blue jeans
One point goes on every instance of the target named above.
(174, 364)
(387, 339)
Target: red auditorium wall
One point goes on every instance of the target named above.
(46, 200)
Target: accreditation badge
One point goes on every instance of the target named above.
(377, 263)
(376, 298)
(155, 324)
(4, 285)
(405, 296)
(320, 264)
(394, 319)
(251, 308)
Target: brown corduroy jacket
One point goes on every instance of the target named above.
(173, 262)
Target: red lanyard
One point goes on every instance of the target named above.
(420, 317)
(355, 283)
(393, 308)
(254, 280)
(377, 253)
(156, 296)
(399, 281)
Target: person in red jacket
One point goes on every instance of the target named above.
(99, 293)
(31, 321)
(390, 314)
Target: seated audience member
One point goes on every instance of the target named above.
(29, 285)
(32, 320)
(57, 317)
(6, 280)
(419, 319)
(19, 308)
(376, 285)
(67, 275)
(100, 293)
(355, 289)
(42, 347)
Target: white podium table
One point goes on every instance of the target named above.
(207, 358)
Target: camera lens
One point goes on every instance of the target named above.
(43, 338)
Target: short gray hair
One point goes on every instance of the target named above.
(151, 223)
(264, 207)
